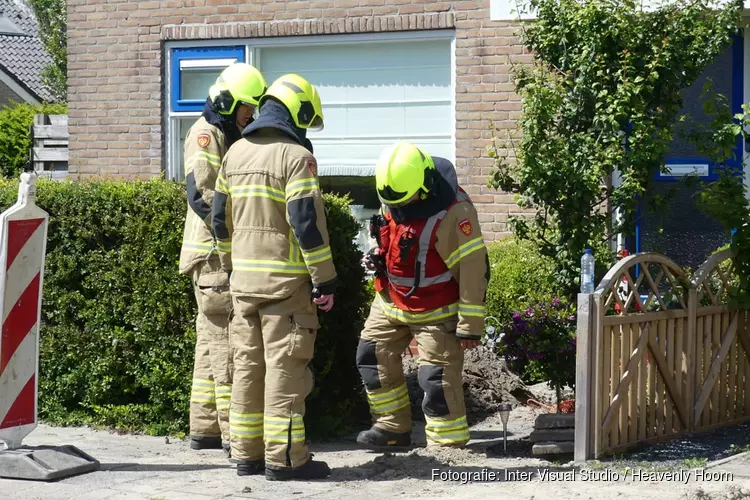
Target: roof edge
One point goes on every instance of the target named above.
(17, 84)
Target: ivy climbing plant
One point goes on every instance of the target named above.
(600, 101)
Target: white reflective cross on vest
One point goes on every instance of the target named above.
(23, 238)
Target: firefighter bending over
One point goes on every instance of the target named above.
(228, 109)
(270, 221)
(432, 271)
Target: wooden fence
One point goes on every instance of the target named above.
(50, 146)
(660, 354)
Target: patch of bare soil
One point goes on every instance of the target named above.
(487, 383)
(732, 492)
(418, 463)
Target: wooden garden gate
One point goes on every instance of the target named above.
(660, 354)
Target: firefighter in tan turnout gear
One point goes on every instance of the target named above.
(229, 108)
(269, 216)
(432, 271)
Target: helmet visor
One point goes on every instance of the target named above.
(316, 125)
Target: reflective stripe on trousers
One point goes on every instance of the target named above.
(203, 391)
(276, 429)
(246, 425)
(389, 401)
(447, 431)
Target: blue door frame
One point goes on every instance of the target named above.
(738, 62)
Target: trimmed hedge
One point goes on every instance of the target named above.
(118, 320)
(520, 277)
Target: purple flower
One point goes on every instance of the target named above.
(555, 302)
(530, 312)
(517, 317)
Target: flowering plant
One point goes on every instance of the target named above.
(540, 344)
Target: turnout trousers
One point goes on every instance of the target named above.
(379, 359)
(273, 342)
(212, 369)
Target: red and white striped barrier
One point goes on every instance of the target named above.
(23, 242)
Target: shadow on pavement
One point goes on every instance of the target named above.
(130, 467)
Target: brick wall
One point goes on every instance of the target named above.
(115, 73)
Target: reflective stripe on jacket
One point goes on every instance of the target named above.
(269, 217)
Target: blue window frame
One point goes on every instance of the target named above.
(708, 172)
(208, 58)
(737, 57)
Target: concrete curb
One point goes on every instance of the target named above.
(728, 459)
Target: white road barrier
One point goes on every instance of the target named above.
(23, 244)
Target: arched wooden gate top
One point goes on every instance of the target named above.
(623, 289)
(714, 278)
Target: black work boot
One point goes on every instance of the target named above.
(309, 470)
(250, 467)
(205, 443)
(382, 440)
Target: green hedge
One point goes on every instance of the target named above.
(15, 134)
(118, 330)
(519, 278)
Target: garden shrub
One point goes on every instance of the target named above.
(539, 344)
(15, 134)
(118, 320)
(519, 277)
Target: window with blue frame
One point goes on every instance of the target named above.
(683, 232)
(192, 71)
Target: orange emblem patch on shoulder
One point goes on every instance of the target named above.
(465, 227)
(204, 140)
(312, 167)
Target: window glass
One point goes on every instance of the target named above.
(373, 94)
(180, 126)
(195, 82)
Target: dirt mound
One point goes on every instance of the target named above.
(487, 383)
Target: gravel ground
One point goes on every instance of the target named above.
(695, 450)
(153, 468)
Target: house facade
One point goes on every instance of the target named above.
(435, 73)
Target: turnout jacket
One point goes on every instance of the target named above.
(437, 266)
(268, 213)
(206, 144)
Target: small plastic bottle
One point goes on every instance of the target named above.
(587, 272)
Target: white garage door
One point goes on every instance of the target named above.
(373, 93)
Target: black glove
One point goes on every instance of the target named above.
(324, 289)
(466, 336)
(375, 261)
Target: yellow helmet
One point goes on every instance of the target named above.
(238, 83)
(403, 170)
(300, 97)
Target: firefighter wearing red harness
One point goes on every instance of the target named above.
(432, 271)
